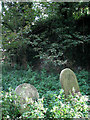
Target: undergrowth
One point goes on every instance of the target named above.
(52, 103)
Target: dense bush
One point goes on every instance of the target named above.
(12, 110)
(54, 35)
(71, 107)
(52, 102)
(41, 80)
(84, 82)
(58, 106)
(9, 110)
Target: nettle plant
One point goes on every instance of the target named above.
(49, 106)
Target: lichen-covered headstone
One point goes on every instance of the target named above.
(26, 93)
(68, 81)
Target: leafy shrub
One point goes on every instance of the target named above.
(71, 107)
(36, 110)
(12, 110)
(42, 81)
(53, 105)
(83, 80)
(50, 106)
(9, 110)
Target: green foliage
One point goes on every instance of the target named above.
(35, 32)
(32, 29)
(36, 110)
(42, 81)
(9, 110)
(52, 102)
(83, 79)
(48, 87)
(74, 106)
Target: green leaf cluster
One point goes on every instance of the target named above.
(74, 106)
(50, 29)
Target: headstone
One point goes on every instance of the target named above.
(27, 94)
(68, 81)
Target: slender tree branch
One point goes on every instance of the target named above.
(8, 26)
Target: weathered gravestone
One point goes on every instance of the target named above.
(27, 93)
(68, 81)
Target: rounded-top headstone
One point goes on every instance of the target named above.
(27, 93)
(27, 90)
(68, 81)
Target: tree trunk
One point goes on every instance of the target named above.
(13, 61)
(24, 62)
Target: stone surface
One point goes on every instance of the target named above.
(68, 81)
(27, 94)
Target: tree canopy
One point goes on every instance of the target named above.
(47, 30)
